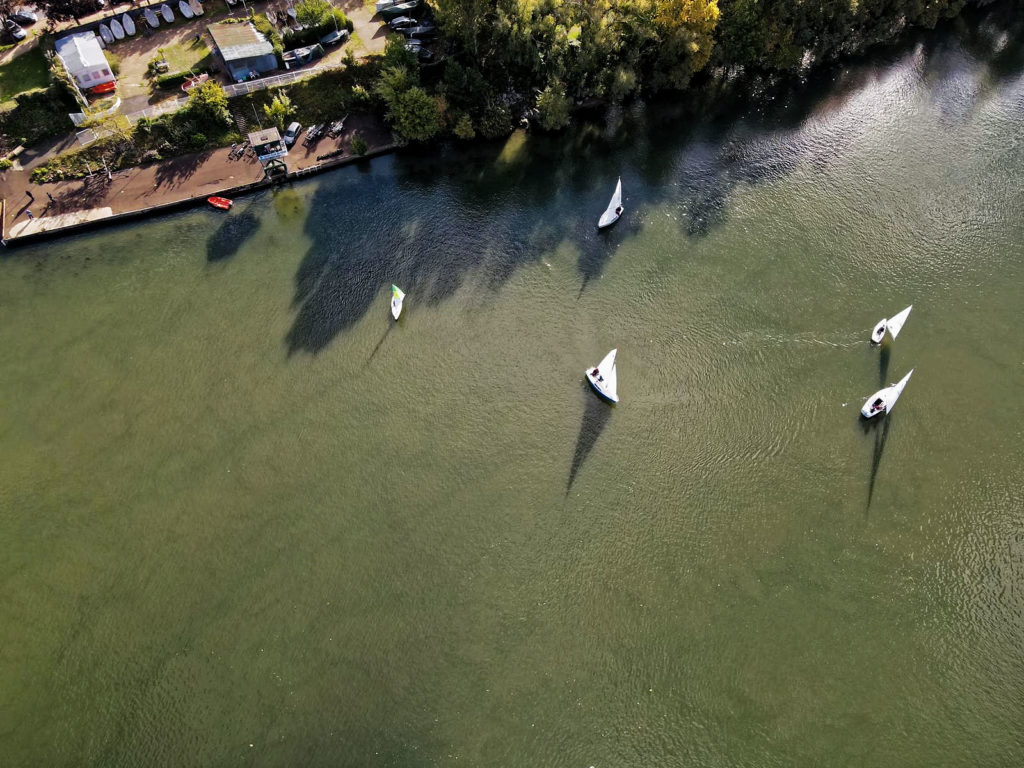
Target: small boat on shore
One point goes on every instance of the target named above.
(397, 297)
(604, 378)
(197, 7)
(117, 29)
(884, 399)
(893, 325)
(192, 82)
(614, 210)
(185, 9)
(167, 13)
(151, 18)
(220, 202)
(129, 24)
(105, 33)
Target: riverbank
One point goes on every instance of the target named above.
(32, 212)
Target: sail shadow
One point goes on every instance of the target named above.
(881, 435)
(883, 363)
(596, 413)
(380, 344)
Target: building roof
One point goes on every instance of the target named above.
(239, 41)
(266, 136)
(80, 52)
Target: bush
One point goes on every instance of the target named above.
(359, 145)
(553, 106)
(114, 62)
(5, 164)
(208, 105)
(175, 79)
(37, 115)
(464, 127)
(495, 122)
(416, 115)
(198, 141)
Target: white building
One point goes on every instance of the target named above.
(84, 59)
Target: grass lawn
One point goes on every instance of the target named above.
(185, 56)
(23, 73)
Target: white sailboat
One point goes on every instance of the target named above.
(884, 399)
(893, 325)
(604, 378)
(614, 210)
(167, 13)
(397, 297)
(129, 24)
(151, 18)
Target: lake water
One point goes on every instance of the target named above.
(248, 520)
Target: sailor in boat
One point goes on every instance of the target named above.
(877, 405)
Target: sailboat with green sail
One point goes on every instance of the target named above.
(397, 297)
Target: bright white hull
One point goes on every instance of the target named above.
(396, 308)
(604, 378)
(884, 400)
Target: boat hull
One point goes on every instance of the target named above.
(220, 202)
(597, 388)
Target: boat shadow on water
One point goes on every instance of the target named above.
(880, 432)
(596, 413)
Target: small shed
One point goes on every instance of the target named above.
(84, 59)
(245, 51)
(267, 144)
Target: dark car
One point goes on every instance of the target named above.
(335, 37)
(403, 21)
(420, 33)
(24, 16)
(16, 32)
(424, 55)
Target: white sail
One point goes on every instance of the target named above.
(397, 297)
(884, 399)
(614, 210)
(604, 377)
(895, 324)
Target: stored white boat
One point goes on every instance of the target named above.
(397, 297)
(614, 210)
(167, 13)
(884, 399)
(893, 325)
(151, 18)
(197, 7)
(604, 378)
(185, 9)
(128, 23)
(108, 38)
(116, 29)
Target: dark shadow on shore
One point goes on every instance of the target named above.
(881, 435)
(171, 173)
(596, 413)
(231, 235)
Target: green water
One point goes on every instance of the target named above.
(248, 520)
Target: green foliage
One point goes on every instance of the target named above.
(25, 72)
(198, 141)
(463, 127)
(495, 122)
(5, 164)
(359, 145)
(173, 80)
(397, 56)
(114, 61)
(312, 13)
(333, 19)
(415, 115)
(66, 10)
(36, 115)
(553, 107)
(65, 81)
(465, 88)
(279, 110)
(208, 105)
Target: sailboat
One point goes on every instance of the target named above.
(893, 325)
(129, 24)
(614, 210)
(604, 378)
(117, 29)
(105, 34)
(397, 297)
(884, 399)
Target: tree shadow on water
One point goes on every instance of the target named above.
(596, 413)
(231, 235)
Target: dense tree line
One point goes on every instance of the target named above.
(511, 56)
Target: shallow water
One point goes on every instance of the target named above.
(249, 520)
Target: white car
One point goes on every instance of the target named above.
(292, 134)
(16, 32)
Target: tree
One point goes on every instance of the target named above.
(64, 79)
(313, 13)
(553, 106)
(416, 115)
(686, 29)
(65, 10)
(279, 110)
(209, 104)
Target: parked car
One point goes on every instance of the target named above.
(16, 32)
(335, 37)
(402, 22)
(424, 55)
(420, 33)
(24, 16)
(292, 134)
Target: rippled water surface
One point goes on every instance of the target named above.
(247, 520)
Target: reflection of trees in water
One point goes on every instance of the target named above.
(427, 219)
(596, 413)
(231, 235)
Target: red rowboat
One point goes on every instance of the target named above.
(220, 202)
